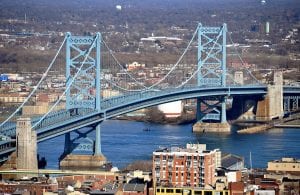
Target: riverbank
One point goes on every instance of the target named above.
(292, 121)
(255, 129)
(181, 120)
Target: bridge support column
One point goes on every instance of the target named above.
(98, 140)
(68, 143)
(295, 104)
(272, 105)
(199, 114)
(223, 111)
(286, 104)
(291, 103)
(26, 147)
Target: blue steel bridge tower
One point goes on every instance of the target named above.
(211, 71)
(83, 66)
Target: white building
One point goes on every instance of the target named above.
(171, 109)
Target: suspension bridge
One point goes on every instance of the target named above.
(92, 68)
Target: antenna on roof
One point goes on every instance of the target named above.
(250, 162)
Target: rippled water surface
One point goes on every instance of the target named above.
(125, 141)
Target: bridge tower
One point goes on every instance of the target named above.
(212, 73)
(83, 79)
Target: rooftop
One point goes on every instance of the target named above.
(190, 148)
(287, 160)
(128, 187)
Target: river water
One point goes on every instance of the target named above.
(126, 141)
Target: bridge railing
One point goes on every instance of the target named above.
(118, 100)
(62, 116)
(52, 118)
(115, 101)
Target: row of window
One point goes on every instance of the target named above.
(190, 191)
(165, 157)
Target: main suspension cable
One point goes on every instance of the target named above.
(37, 86)
(69, 85)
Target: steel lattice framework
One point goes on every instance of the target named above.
(212, 55)
(212, 70)
(83, 63)
(85, 91)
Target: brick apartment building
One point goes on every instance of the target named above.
(191, 166)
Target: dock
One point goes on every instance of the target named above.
(287, 126)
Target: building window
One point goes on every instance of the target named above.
(207, 192)
(169, 190)
(198, 192)
(158, 190)
(178, 190)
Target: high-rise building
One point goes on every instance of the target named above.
(191, 166)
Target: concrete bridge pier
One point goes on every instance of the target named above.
(26, 147)
(271, 106)
(74, 161)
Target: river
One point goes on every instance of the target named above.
(125, 141)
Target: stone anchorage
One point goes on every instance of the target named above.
(26, 147)
(272, 105)
(211, 127)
